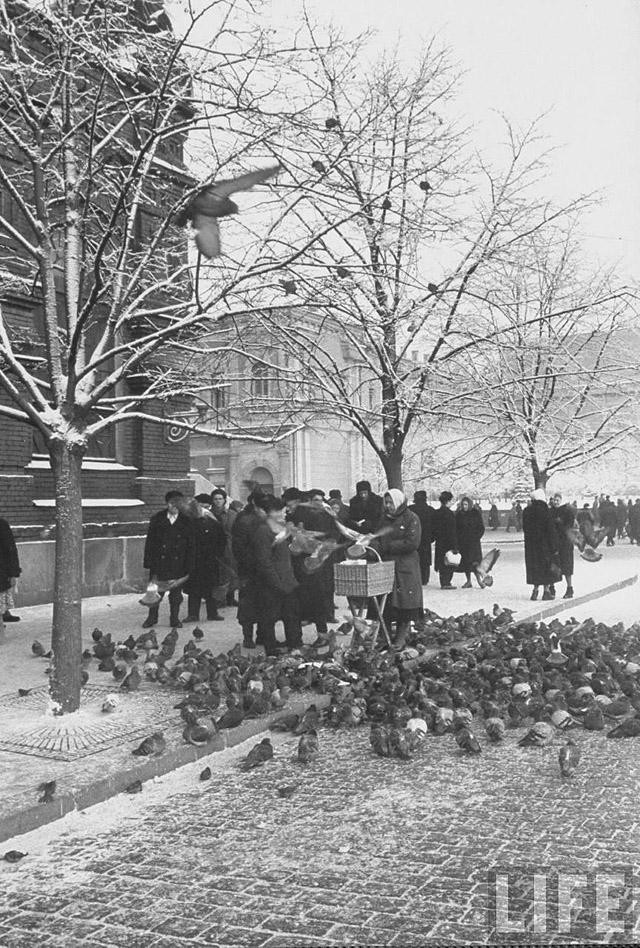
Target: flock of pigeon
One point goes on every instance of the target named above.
(477, 675)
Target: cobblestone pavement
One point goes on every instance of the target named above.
(365, 852)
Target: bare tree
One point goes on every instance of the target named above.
(99, 104)
(395, 226)
(556, 393)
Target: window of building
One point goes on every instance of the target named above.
(260, 383)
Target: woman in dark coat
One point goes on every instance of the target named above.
(443, 530)
(211, 542)
(564, 516)
(494, 517)
(540, 545)
(469, 531)
(275, 583)
(315, 591)
(401, 544)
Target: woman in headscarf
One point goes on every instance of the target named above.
(564, 516)
(400, 544)
(469, 530)
(540, 546)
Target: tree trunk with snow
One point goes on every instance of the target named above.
(66, 637)
(392, 463)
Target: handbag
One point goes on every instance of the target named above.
(452, 559)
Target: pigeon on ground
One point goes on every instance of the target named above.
(38, 650)
(308, 747)
(205, 774)
(467, 741)
(132, 680)
(258, 755)
(287, 791)
(135, 787)
(379, 739)
(310, 721)
(399, 743)
(569, 758)
(110, 703)
(198, 634)
(495, 728)
(151, 746)
(14, 855)
(47, 789)
(539, 735)
(628, 728)
(593, 718)
(96, 635)
(288, 722)
(23, 692)
(214, 201)
(197, 734)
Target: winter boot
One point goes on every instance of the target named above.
(152, 618)
(569, 593)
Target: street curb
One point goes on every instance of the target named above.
(564, 604)
(32, 817)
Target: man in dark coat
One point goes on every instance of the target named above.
(540, 545)
(424, 512)
(169, 554)
(443, 528)
(469, 532)
(621, 517)
(564, 516)
(242, 533)
(609, 519)
(365, 509)
(275, 581)
(336, 501)
(211, 542)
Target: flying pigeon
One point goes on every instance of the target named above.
(483, 571)
(23, 692)
(214, 201)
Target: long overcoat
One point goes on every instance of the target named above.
(315, 590)
(443, 528)
(170, 549)
(564, 518)
(469, 530)
(540, 543)
(9, 563)
(401, 545)
(424, 513)
(211, 542)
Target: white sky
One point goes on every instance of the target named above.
(578, 58)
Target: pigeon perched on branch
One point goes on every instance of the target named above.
(214, 201)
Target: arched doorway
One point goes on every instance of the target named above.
(263, 478)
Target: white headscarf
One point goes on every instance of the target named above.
(538, 494)
(396, 496)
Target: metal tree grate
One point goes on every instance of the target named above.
(26, 729)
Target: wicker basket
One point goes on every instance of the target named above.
(364, 579)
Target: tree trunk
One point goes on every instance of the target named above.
(66, 636)
(392, 463)
(540, 479)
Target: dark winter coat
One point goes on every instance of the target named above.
(443, 527)
(9, 563)
(565, 518)
(469, 531)
(634, 522)
(210, 542)
(242, 545)
(273, 567)
(370, 511)
(424, 513)
(401, 545)
(540, 543)
(494, 516)
(170, 549)
(621, 514)
(608, 516)
(315, 590)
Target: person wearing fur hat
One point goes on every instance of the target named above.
(444, 533)
(540, 546)
(226, 517)
(365, 509)
(401, 544)
(469, 531)
(424, 512)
